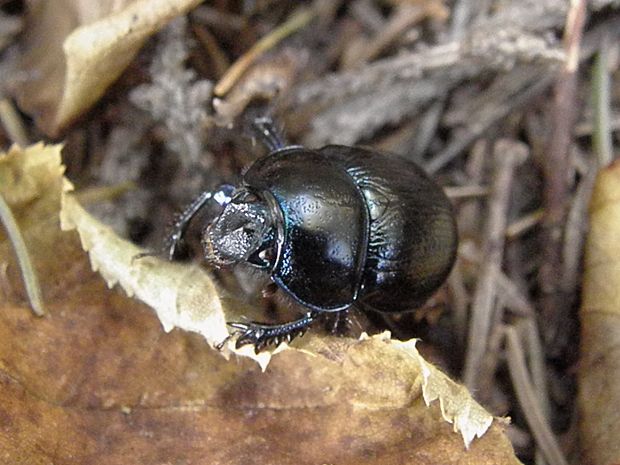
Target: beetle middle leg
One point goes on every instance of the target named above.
(338, 323)
(269, 134)
(261, 335)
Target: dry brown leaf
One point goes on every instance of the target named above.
(98, 381)
(599, 369)
(76, 49)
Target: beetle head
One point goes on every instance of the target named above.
(240, 232)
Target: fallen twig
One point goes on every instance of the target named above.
(554, 305)
(530, 405)
(507, 155)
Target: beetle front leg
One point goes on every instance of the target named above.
(181, 223)
(222, 196)
(262, 335)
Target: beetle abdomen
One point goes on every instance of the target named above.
(412, 238)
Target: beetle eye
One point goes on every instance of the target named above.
(265, 255)
(248, 197)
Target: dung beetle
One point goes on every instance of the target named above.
(335, 228)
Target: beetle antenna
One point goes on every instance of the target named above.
(268, 133)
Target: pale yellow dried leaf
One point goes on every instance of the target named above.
(77, 49)
(183, 296)
(599, 368)
(456, 403)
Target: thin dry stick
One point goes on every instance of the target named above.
(460, 301)
(554, 303)
(405, 17)
(427, 129)
(576, 229)
(293, 24)
(367, 13)
(466, 192)
(217, 55)
(23, 258)
(530, 405)
(601, 138)
(212, 16)
(507, 155)
(487, 384)
(528, 328)
(469, 212)
(523, 224)
(514, 300)
(16, 132)
(461, 17)
(12, 123)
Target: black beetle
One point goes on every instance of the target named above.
(335, 227)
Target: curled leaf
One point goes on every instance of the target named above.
(182, 296)
(76, 49)
(599, 368)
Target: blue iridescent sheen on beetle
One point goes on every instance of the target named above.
(337, 227)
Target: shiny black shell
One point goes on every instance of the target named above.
(355, 227)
